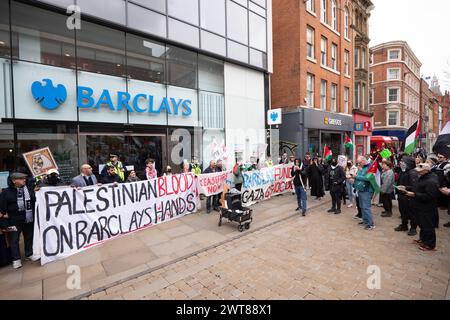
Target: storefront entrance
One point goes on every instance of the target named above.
(132, 149)
(333, 141)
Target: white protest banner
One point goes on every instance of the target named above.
(212, 183)
(72, 220)
(262, 184)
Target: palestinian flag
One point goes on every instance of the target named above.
(348, 142)
(442, 145)
(374, 176)
(411, 138)
(327, 153)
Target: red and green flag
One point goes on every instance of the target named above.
(374, 176)
(348, 142)
(412, 136)
(327, 153)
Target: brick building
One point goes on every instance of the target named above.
(429, 116)
(395, 88)
(313, 73)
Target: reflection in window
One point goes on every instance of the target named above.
(41, 36)
(5, 46)
(101, 50)
(145, 59)
(213, 43)
(211, 74)
(257, 32)
(109, 10)
(237, 22)
(186, 10)
(181, 67)
(212, 16)
(237, 51)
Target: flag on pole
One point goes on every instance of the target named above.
(386, 153)
(411, 138)
(374, 176)
(348, 142)
(327, 153)
(442, 145)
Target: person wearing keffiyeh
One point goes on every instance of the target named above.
(150, 170)
(17, 205)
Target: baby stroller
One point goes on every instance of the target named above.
(233, 210)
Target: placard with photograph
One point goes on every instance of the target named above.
(40, 161)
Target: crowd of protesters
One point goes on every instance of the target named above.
(420, 183)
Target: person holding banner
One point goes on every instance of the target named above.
(298, 173)
(119, 168)
(86, 177)
(237, 173)
(111, 176)
(213, 198)
(219, 168)
(150, 170)
(17, 203)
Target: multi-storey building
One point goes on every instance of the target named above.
(429, 116)
(162, 79)
(395, 88)
(362, 117)
(313, 73)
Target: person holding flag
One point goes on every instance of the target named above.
(327, 154)
(348, 142)
(366, 184)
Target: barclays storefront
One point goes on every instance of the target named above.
(102, 89)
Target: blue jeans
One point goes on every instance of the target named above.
(365, 203)
(349, 188)
(301, 198)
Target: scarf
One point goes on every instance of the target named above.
(151, 173)
(24, 203)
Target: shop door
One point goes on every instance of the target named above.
(333, 141)
(132, 149)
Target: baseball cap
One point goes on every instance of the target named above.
(18, 175)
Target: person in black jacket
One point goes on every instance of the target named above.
(17, 205)
(336, 176)
(214, 198)
(111, 176)
(424, 197)
(298, 173)
(407, 178)
(315, 174)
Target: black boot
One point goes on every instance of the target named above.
(412, 232)
(331, 210)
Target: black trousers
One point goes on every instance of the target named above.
(27, 230)
(213, 199)
(386, 200)
(336, 198)
(217, 204)
(407, 214)
(359, 215)
(428, 237)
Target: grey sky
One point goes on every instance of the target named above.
(424, 24)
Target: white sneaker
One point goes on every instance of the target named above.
(350, 205)
(17, 264)
(33, 258)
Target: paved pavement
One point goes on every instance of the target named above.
(321, 256)
(134, 254)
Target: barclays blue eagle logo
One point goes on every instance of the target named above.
(47, 95)
(274, 116)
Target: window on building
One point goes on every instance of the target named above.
(145, 59)
(347, 62)
(323, 51)
(323, 95)
(310, 90)
(371, 93)
(257, 32)
(310, 5)
(323, 10)
(37, 36)
(357, 96)
(181, 67)
(334, 23)
(212, 16)
(333, 97)
(210, 74)
(371, 78)
(393, 95)
(177, 9)
(363, 95)
(357, 54)
(5, 46)
(393, 118)
(346, 98)
(101, 49)
(394, 74)
(310, 42)
(346, 23)
(334, 56)
(363, 58)
(371, 59)
(237, 22)
(394, 54)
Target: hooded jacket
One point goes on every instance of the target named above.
(425, 202)
(8, 203)
(408, 178)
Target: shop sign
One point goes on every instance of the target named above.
(50, 97)
(359, 126)
(332, 122)
(274, 117)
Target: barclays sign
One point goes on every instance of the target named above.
(51, 97)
